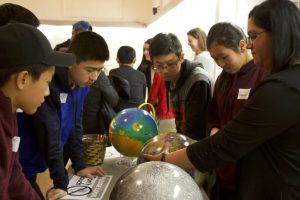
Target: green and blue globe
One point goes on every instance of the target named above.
(130, 130)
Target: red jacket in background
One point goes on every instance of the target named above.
(158, 98)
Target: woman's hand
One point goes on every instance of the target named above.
(158, 157)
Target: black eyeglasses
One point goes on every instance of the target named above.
(160, 67)
(253, 36)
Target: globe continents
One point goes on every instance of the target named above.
(176, 141)
(155, 181)
(130, 130)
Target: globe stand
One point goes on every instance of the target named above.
(127, 162)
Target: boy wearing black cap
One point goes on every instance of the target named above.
(26, 69)
(14, 12)
(54, 133)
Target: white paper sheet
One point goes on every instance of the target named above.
(86, 188)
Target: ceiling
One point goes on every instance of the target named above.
(115, 13)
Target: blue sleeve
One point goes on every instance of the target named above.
(73, 148)
(47, 128)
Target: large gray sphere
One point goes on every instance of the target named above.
(156, 181)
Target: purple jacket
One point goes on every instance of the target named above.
(230, 95)
(13, 184)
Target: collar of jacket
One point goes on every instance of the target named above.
(7, 117)
(61, 78)
(126, 65)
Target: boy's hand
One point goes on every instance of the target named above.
(91, 171)
(55, 193)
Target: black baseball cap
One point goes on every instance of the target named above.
(23, 45)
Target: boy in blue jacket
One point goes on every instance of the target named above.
(56, 127)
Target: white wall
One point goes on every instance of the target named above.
(115, 37)
(185, 16)
(236, 11)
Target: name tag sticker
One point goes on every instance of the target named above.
(63, 97)
(19, 110)
(243, 93)
(15, 143)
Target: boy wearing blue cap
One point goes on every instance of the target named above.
(24, 83)
(77, 28)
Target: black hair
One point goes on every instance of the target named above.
(13, 12)
(163, 44)
(88, 45)
(145, 66)
(144, 60)
(148, 41)
(126, 54)
(281, 19)
(225, 34)
(34, 70)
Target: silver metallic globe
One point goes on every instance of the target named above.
(156, 181)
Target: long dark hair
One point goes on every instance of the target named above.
(144, 60)
(145, 66)
(281, 18)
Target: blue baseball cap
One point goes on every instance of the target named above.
(82, 26)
